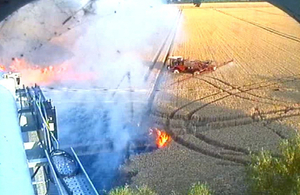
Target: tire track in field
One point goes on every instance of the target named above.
(245, 90)
(216, 143)
(232, 120)
(259, 97)
(209, 141)
(221, 145)
(222, 155)
(264, 56)
(243, 55)
(229, 93)
(271, 13)
(268, 121)
(290, 53)
(180, 108)
(287, 36)
(201, 150)
(274, 131)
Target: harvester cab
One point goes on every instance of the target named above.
(174, 61)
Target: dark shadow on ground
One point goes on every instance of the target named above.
(288, 87)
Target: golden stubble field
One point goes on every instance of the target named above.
(218, 118)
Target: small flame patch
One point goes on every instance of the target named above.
(2, 68)
(161, 137)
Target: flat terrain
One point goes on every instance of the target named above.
(217, 118)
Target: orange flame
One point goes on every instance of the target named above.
(162, 138)
(34, 74)
(2, 68)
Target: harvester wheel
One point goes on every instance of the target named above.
(176, 71)
(197, 72)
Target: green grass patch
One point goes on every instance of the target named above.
(121, 191)
(196, 189)
(276, 175)
(199, 189)
(144, 190)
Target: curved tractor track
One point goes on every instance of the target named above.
(191, 121)
(194, 125)
(238, 90)
(236, 93)
(208, 152)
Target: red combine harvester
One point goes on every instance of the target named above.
(177, 64)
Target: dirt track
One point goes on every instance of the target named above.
(218, 118)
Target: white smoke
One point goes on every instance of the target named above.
(114, 41)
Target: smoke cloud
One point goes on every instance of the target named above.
(89, 56)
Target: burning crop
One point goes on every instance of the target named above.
(45, 75)
(162, 139)
(2, 68)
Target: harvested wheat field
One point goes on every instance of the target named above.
(218, 118)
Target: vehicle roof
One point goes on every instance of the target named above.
(175, 57)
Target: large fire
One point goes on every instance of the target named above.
(162, 138)
(45, 75)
